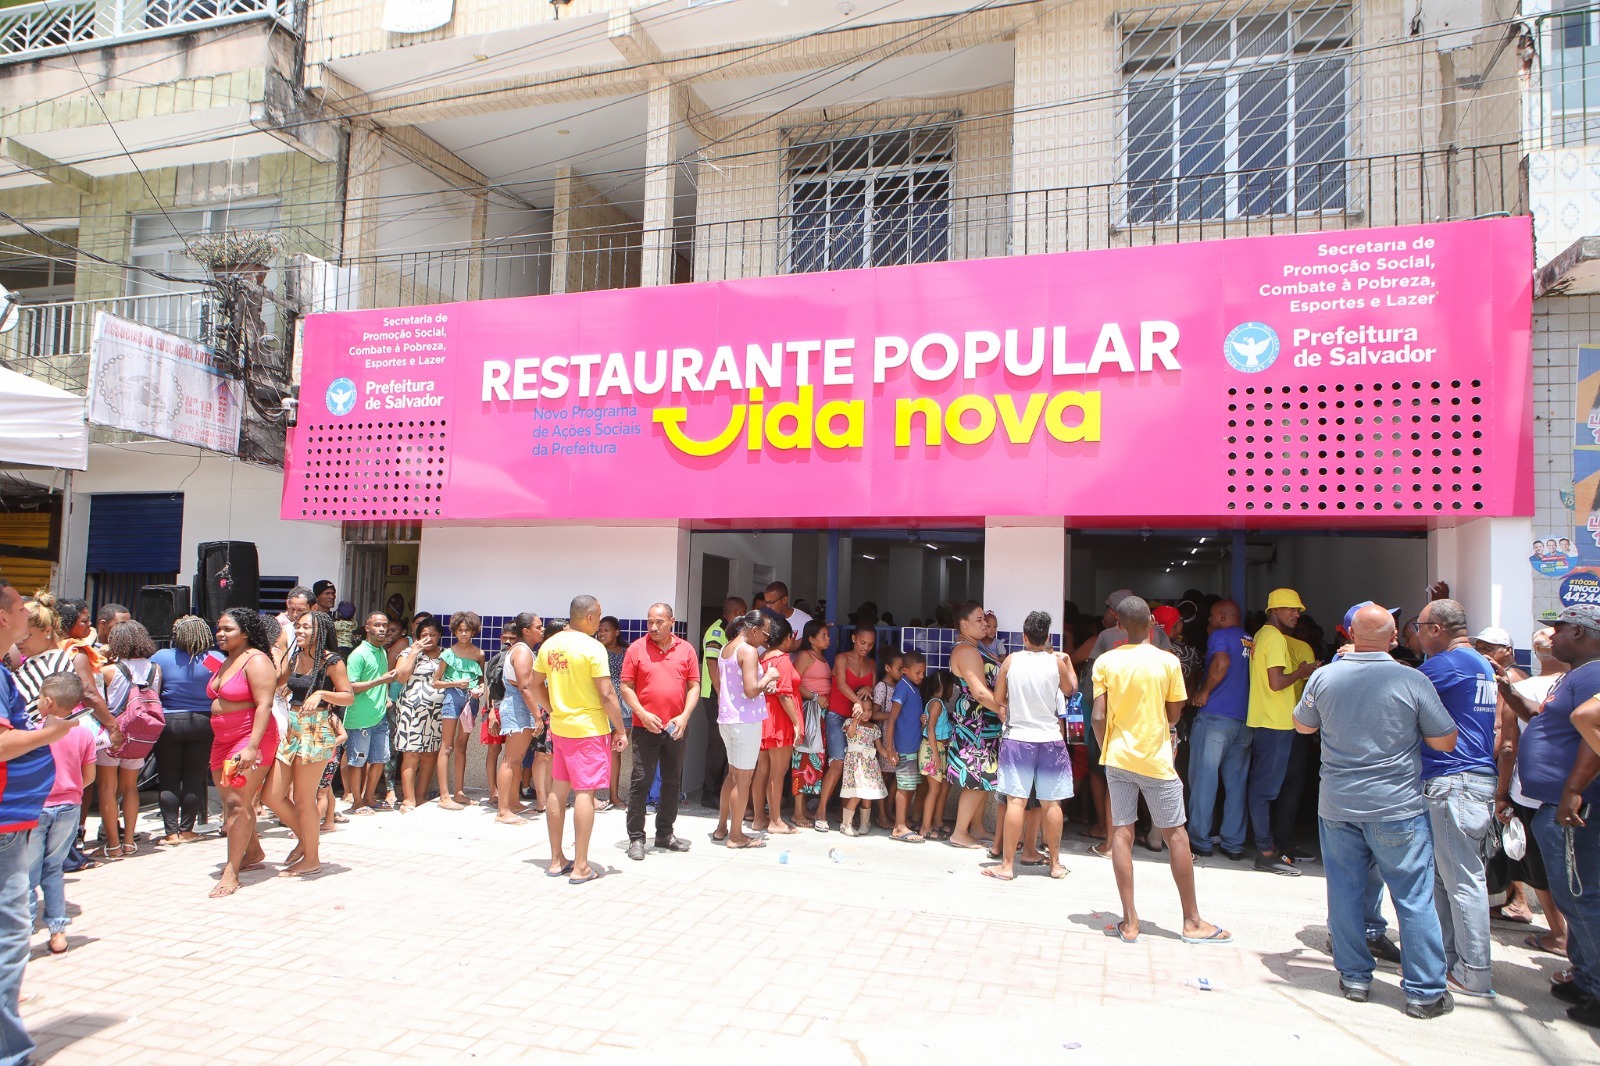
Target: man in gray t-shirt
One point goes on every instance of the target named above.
(1373, 714)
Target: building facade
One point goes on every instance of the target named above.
(487, 150)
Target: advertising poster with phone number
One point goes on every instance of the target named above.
(1576, 562)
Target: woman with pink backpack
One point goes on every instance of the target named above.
(132, 685)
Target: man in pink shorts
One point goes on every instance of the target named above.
(574, 674)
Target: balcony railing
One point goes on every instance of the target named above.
(68, 25)
(1393, 190)
(51, 341)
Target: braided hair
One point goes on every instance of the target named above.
(321, 657)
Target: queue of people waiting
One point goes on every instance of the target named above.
(1420, 767)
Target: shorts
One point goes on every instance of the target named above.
(743, 741)
(582, 762)
(331, 769)
(515, 715)
(230, 734)
(367, 747)
(1164, 798)
(103, 757)
(833, 735)
(1530, 869)
(930, 756)
(488, 735)
(455, 701)
(907, 772)
(310, 738)
(1038, 768)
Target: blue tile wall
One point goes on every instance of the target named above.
(489, 639)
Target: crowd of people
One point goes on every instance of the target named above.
(1443, 772)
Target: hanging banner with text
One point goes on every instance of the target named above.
(148, 381)
(1372, 376)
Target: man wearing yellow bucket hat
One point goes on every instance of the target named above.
(1273, 675)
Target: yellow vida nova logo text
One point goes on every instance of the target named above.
(796, 424)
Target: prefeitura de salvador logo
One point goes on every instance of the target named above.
(1251, 347)
(341, 397)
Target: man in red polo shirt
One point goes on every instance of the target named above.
(660, 685)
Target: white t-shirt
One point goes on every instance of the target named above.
(1536, 689)
(1033, 685)
(797, 621)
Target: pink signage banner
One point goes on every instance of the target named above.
(1372, 375)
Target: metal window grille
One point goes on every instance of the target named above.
(1238, 117)
(873, 193)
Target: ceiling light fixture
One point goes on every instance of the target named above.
(958, 558)
(935, 547)
(864, 555)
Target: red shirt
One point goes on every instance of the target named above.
(661, 678)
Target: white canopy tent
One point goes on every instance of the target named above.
(41, 425)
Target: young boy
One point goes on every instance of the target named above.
(882, 693)
(903, 729)
(51, 840)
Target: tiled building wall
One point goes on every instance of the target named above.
(1560, 324)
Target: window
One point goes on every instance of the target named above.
(158, 243)
(879, 198)
(1571, 67)
(1237, 118)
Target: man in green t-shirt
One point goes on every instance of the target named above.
(1273, 676)
(716, 752)
(367, 750)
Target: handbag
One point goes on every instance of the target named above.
(812, 742)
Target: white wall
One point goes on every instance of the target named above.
(510, 569)
(1024, 569)
(1486, 564)
(223, 499)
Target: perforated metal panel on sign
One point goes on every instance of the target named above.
(372, 470)
(1374, 447)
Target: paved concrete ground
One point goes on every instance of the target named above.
(433, 936)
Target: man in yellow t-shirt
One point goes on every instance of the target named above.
(1139, 694)
(1274, 674)
(585, 726)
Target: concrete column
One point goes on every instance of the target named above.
(1024, 568)
(1486, 564)
(363, 166)
(480, 233)
(665, 112)
(561, 230)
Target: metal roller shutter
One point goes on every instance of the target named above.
(28, 531)
(135, 533)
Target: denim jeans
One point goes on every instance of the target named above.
(1219, 748)
(1269, 759)
(1402, 851)
(15, 930)
(1582, 911)
(1372, 909)
(1460, 810)
(48, 844)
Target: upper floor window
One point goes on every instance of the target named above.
(1238, 117)
(159, 243)
(879, 198)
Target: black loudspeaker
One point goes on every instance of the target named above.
(159, 607)
(227, 574)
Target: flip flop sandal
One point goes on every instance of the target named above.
(595, 874)
(1097, 850)
(1116, 931)
(909, 838)
(754, 842)
(1531, 942)
(339, 818)
(1059, 875)
(994, 872)
(1220, 936)
(564, 871)
(965, 847)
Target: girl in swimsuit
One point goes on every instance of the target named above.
(245, 737)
